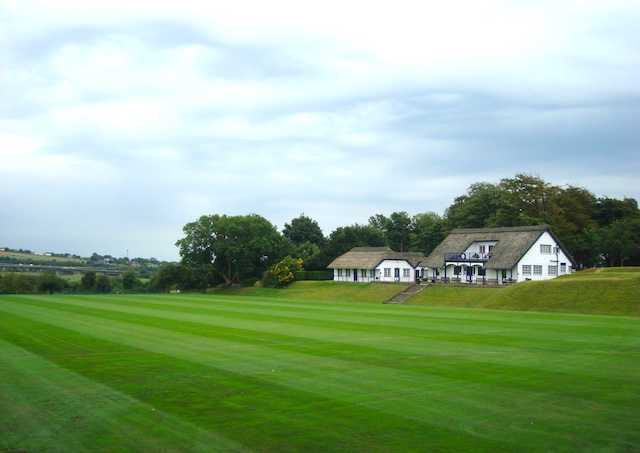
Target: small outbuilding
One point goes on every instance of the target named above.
(377, 264)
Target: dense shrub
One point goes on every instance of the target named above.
(313, 275)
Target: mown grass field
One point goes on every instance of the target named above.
(183, 373)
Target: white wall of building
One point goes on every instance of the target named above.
(355, 275)
(479, 250)
(541, 262)
(391, 271)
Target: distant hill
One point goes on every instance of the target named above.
(26, 256)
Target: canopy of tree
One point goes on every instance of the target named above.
(596, 231)
(238, 248)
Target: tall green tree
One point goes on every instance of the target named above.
(609, 210)
(103, 284)
(167, 277)
(478, 208)
(525, 200)
(88, 281)
(238, 248)
(396, 229)
(131, 281)
(49, 282)
(343, 239)
(303, 229)
(573, 217)
(16, 283)
(620, 241)
(310, 254)
(428, 230)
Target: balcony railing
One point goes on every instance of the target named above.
(467, 256)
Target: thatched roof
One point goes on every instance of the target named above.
(370, 257)
(511, 244)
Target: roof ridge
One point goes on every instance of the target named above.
(540, 227)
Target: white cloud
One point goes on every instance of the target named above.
(146, 116)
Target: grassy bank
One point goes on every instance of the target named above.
(608, 291)
(614, 291)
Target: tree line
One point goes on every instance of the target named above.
(228, 250)
(597, 231)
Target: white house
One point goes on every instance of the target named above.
(498, 255)
(377, 264)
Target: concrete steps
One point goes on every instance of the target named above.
(405, 294)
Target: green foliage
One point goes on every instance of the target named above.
(428, 230)
(609, 210)
(17, 283)
(309, 253)
(303, 229)
(182, 277)
(619, 241)
(573, 213)
(283, 273)
(88, 281)
(396, 229)
(343, 239)
(238, 248)
(103, 284)
(49, 282)
(313, 275)
(131, 281)
(478, 208)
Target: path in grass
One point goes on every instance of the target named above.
(215, 373)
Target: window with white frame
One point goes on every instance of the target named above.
(563, 268)
(339, 272)
(553, 270)
(363, 272)
(406, 272)
(537, 269)
(348, 272)
(387, 272)
(545, 249)
(482, 249)
(526, 269)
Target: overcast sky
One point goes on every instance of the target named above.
(121, 121)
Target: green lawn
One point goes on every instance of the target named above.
(237, 373)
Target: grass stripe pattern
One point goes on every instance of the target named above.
(218, 373)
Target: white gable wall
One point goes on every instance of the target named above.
(395, 271)
(541, 261)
